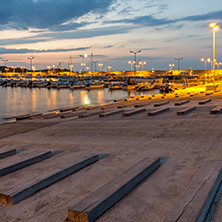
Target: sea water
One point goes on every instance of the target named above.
(16, 101)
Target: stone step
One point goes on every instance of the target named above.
(26, 189)
(158, 111)
(199, 195)
(89, 114)
(216, 110)
(105, 197)
(133, 112)
(68, 109)
(6, 153)
(13, 165)
(57, 115)
(186, 110)
(73, 114)
(111, 113)
(204, 101)
(161, 104)
(181, 102)
(43, 115)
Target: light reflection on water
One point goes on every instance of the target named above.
(18, 101)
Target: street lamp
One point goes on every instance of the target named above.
(110, 68)
(171, 66)
(22, 68)
(6, 60)
(95, 64)
(215, 28)
(218, 64)
(135, 52)
(31, 58)
(210, 61)
(142, 63)
(100, 65)
(131, 63)
(204, 60)
(82, 64)
(178, 63)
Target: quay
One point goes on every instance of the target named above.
(150, 168)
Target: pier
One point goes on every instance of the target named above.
(171, 162)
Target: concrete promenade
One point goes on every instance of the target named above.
(188, 141)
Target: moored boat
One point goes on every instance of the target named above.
(94, 85)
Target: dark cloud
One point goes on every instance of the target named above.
(208, 16)
(149, 20)
(41, 14)
(22, 51)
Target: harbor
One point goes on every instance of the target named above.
(179, 133)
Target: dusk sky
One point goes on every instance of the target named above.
(54, 30)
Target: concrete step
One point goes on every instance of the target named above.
(43, 115)
(26, 189)
(133, 112)
(197, 199)
(57, 115)
(6, 153)
(11, 165)
(186, 110)
(181, 102)
(204, 101)
(111, 113)
(161, 104)
(216, 110)
(68, 109)
(73, 114)
(105, 197)
(158, 111)
(89, 114)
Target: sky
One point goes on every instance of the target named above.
(52, 31)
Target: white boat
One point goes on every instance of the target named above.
(145, 86)
(94, 85)
(117, 85)
(77, 85)
(129, 86)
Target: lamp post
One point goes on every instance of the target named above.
(142, 63)
(13, 70)
(178, 63)
(95, 64)
(82, 64)
(5, 60)
(135, 52)
(218, 64)
(100, 65)
(110, 68)
(22, 68)
(171, 66)
(210, 61)
(215, 28)
(131, 64)
(31, 58)
(204, 60)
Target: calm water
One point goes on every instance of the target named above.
(18, 101)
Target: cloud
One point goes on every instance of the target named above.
(43, 14)
(22, 51)
(145, 58)
(150, 20)
(108, 46)
(51, 36)
(204, 17)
